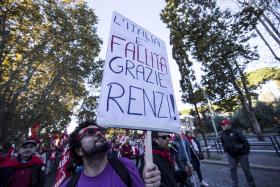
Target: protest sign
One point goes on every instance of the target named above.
(136, 90)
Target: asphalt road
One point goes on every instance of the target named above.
(219, 176)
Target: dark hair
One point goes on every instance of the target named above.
(74, 143)
(177, 137)
(154, 134)
(114, 140)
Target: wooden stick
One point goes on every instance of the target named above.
(148, 149)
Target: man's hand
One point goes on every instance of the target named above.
(151, 176)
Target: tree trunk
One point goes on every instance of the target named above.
(267, 44)
(201, 131)
(271, 25)
(245, 99)
(276, 15)
(251, 113)
(256, 125)
(270, 32)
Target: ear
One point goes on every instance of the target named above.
(79, 151)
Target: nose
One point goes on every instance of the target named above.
(99, 134)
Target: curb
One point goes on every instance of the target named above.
(270, 168)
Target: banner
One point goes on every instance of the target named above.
(34, 131)
(136, 89)
(62, 173)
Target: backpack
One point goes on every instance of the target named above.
(116, 164)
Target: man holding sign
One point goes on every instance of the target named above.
(136, 90)
(89, 146)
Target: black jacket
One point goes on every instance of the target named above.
(234, 143)
(166, 168)
(6, 173)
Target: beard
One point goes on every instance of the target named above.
(97, 149)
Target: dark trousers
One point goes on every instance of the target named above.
(183, 180)
(196, 166)
(141, 159)
(244, 162)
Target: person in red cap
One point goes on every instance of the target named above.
(26, 170)
(237, 148)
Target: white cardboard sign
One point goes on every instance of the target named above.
(136, 89)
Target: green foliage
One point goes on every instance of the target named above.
(240, 119)
(206, 122)
(185, 111)
(88, 109)
(266, 115)
(277, 113)
(260, 76)
(49, 53)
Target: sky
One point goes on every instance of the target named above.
(146, 13)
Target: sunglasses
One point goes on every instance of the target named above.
(164, 136)
(89, 131)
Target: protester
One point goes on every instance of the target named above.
(181, 150)
(41, 153)
(196, 155)
(136, 153)
(89, 146)
(115, 148)
(51, 156)
(140, 156)
(126, 149)
(237, 148)
(162, 158)
(26, 170)
(2, 156)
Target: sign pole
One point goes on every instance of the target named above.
(148, 149)
(188, 159)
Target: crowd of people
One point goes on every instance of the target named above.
(119, 161)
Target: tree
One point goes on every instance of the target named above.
(49, 53)
(265, 113)
(88, 108)
(269, 20)
(219, 41)
(277, 113)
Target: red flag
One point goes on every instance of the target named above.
(35, 128)
(64, 136)
(62, 173)
(11, 151)
(34, 131)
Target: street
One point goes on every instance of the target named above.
(219, 176)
